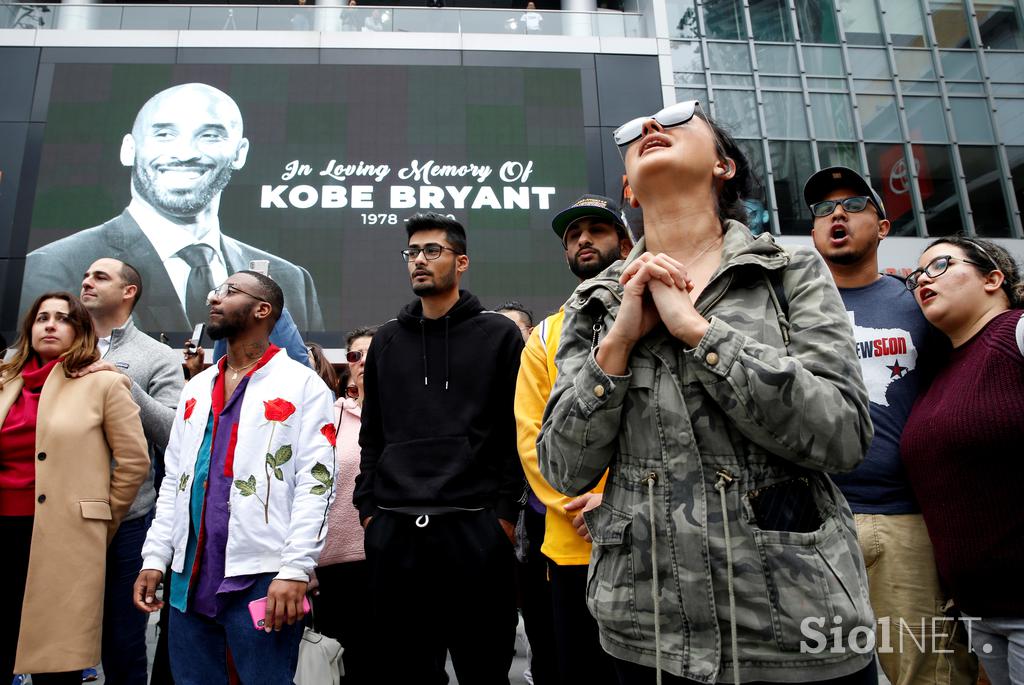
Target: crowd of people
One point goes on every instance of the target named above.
(722, 460)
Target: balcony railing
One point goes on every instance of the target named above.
(319, 18)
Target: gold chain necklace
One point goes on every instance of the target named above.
(234, 375)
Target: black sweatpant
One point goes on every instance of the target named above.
(444, 582)
(580, 656)
(342, 611)
(16, 532)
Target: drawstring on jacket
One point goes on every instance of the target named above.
(724, 479)
(423, 345)
(651, 479)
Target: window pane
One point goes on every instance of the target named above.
(682, 17)
(950, 22)
(733, 57)
(836, 85)
(938, 192)
(988, 206)
(817, 21)
(960, 66)
(878, 117)
(732, 80)
(683, 80)
(1005, 66)
(925, 119)
(965, 88)
(880, 87)
(860, 22)
(1016, 157)
(784, 115)
(737, 111)
(833, 116)
(769, 20)
(921, 87)
(792, 163)
(838, 154)
(905, 23)
(887, 167)
(684, 94)
(780, 82)
(972, 121)
(868, 63)
(687, 57)
(1008, 88)
(758, 217)
(1000, 24)
(1010, 117)
(724, 19)
(822, 61)
(776, 59)
(914, 64)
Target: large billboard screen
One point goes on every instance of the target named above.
(188, 172)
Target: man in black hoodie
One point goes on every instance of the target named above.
(440, 481)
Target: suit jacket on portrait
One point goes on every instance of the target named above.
(61, 265)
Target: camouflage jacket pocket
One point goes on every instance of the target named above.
(610, 581)
(809, 575)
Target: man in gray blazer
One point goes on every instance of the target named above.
(110, 290)
(183, 148)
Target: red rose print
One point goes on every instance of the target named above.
(330, 432)
(278, 410)
(190, 404)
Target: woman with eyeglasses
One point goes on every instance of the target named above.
(962, 443)
(341, 608)
(72, 458)
(714, 375)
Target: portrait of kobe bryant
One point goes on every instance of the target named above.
(183, 147)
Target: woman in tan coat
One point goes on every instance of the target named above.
(72, 457)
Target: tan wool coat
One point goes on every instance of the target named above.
(91, 458)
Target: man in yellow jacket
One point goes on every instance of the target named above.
(594, 236)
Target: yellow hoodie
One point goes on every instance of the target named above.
(537, 373)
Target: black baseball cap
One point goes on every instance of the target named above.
(822, 182)
(596, 206)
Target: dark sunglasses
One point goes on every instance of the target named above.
(851, 204)
(352, 392)
(673, 115)
(353, 356)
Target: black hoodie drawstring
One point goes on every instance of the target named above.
(423, 344)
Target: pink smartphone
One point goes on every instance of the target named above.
(258, 611)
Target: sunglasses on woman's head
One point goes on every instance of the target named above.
(673, 115)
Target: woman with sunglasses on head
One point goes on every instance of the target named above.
(72, 457)
(962, 443)
(714, 375)
(341, 609)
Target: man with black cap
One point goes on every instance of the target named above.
(895, 345)
(594, 236)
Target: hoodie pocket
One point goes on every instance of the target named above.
(426, 471)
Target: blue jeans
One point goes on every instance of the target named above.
(124, 626)
(999, 644)
(198, 645)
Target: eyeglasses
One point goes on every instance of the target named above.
(934, 269)
(353, 356)
(430, 251)
(673, 115)
(850, 204)
(225, 289)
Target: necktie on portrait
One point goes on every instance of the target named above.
(200, 281)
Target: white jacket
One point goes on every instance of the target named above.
(284, 536)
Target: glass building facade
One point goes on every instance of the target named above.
(925, 97)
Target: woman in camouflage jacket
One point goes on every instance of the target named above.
(714, 375)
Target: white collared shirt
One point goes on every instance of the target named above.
(168, 238)
(103, 344)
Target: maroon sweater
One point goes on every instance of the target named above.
(18, 444)
(963, 448)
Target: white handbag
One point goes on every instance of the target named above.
(319, 660)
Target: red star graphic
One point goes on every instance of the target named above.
(897, 370)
